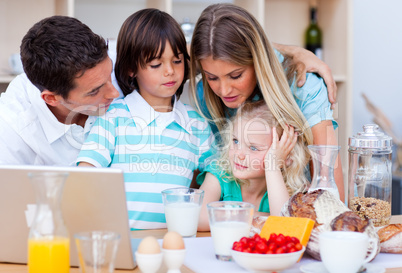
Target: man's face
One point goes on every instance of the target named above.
(94, 91)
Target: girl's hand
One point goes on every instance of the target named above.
(279, 151)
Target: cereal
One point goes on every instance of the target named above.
(379, 211)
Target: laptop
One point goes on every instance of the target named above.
(93, 199)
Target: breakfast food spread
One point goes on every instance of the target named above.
(329, 214)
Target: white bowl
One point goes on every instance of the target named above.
(266, 262)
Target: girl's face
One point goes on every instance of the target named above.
(234, 84)
(161, 78)
(251, 141)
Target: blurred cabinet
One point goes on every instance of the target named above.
(16, 17)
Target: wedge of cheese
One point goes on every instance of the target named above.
(289, 226)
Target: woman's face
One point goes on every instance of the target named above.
(233, 83)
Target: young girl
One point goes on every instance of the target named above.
(158, 141)
(252, 166)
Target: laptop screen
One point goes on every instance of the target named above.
(93, 199)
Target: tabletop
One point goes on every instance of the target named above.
(159, 233)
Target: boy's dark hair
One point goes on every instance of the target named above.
(57, 50)
(141, 39)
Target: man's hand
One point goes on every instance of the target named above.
(305, 61)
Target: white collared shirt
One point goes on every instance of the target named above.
(31, 134)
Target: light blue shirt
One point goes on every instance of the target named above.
(155, 150)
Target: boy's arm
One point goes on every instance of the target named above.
(305, 61)
(99, 145)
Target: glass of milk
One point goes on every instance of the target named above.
(229, 222)
(182, 209)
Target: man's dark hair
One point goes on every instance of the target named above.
(57, 50)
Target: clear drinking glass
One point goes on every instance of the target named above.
(182, 209)
(97, 250)
(229, 222)
(48, 242)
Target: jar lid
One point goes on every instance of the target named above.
(370, 138)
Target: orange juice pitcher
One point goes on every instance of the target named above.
(48, 242)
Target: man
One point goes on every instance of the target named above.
(44, 114)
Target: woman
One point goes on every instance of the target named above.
(238, 64)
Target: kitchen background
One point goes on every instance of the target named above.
(361, 42)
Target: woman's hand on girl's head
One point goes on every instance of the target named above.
(277, 155)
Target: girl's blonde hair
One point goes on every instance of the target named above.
(293, 174)
(229, 33)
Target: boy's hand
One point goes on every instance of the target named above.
(277, 155)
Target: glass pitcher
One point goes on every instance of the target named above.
(324, 157)
(370, 175)
(48, 242)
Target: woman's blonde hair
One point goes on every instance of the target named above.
(230, 33)
(293, 174)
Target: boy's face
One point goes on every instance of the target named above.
(251, 141)
(94, 91)
(160, 79)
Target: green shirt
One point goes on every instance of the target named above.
(230, 190)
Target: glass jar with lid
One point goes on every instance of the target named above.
(370, 175)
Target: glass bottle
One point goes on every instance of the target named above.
(48, 242)
(313, 34)
(324, 158)
(370, 175)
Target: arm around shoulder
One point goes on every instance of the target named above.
(305, 61)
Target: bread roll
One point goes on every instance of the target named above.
(391, 238)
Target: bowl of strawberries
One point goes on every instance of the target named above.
(276, 254)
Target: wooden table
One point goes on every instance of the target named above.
(15, 268)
